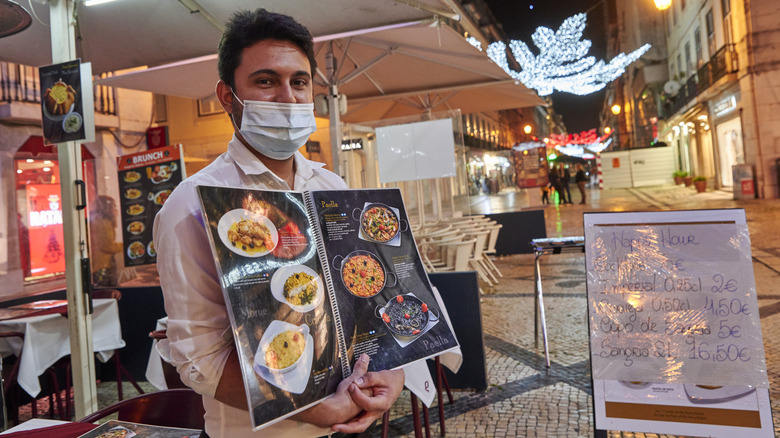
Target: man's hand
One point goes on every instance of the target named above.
(374, 392)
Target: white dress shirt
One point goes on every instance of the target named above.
(199, 333)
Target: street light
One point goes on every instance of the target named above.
(607, 130)
(527, 129)
(615, 109)
(663, 5)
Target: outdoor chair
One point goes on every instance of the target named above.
(169, 408)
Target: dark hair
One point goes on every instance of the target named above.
(248, 27)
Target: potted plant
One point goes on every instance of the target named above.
(701, 183)
(678, 176)
(687, 180)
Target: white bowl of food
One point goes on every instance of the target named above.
(282, 347)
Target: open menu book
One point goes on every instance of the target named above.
(311, 281)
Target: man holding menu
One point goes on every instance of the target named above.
(266, 62)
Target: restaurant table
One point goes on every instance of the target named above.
(47, 339)
(154, 367)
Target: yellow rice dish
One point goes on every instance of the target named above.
(285, 349)
(300, 289)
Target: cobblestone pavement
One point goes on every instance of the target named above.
(525, 400)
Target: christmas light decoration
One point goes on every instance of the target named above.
(562, 63)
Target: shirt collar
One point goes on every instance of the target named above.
(250, 165)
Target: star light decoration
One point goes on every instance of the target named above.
(561, 64)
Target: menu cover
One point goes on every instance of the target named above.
(146, 179)
(311, 281)
(124, 429)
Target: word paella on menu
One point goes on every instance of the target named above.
(674, 323)
(146, 179)
(314, 279)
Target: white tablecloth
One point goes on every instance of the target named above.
(47, 339)
(154, 370)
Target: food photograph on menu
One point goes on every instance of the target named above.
(61, 102)
(312, 281)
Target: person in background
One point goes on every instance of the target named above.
(580, 179)
(103, 243)
(266, 66)
(545, 193)
(565, 178)
(555, 181)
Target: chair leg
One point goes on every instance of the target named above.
(385, 423)
(426, 421)
(416, 417)
(439, 375)
(120, 370)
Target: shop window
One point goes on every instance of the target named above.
(209, 106)
(697, 46)
(710, 23)
(160, 108)
(39, 209)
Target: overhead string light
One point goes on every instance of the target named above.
(562, 63)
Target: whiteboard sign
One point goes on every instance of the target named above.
(416, 151)
(675, 335)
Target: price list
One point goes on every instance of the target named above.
(673, 302)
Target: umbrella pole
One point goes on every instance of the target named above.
(63, 44)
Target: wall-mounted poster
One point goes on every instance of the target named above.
(675, 336)
(145, 181)
(67, 108)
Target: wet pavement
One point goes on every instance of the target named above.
(525, 400)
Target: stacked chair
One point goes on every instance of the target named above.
(460, 244)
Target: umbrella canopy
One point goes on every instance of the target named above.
(389, 71)
(132, 33)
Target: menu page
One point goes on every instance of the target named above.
(124, 429)
(676, 344)
(385, 301)
(281, 313)
(145, 181)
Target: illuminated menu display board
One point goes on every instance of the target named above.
(44, 216)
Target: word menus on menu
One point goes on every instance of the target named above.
(146, 179)
(675, 336)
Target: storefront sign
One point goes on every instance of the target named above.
(724, 106)
(530, 167)
(44, 209)
(675, 335)
(145, 181)
(351, 144)
(67, 106)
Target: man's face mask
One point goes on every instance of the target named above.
(275, 129)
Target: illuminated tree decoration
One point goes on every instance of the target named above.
(562, 63)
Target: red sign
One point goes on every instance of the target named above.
(615, 163)
(747, 187)
(157, 137)
(148, 158)
(44, 207)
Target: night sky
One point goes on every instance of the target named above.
(520, 20)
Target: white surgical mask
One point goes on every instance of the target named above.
(276, 129)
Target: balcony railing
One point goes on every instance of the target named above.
(723, 62)
(20, 83)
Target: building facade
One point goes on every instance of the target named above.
(717, 104)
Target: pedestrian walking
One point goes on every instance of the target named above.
(555, 181)
(565, 178)
(545, 194)
(580, 179)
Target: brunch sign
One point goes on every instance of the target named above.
(146, 179)
(673, 319)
